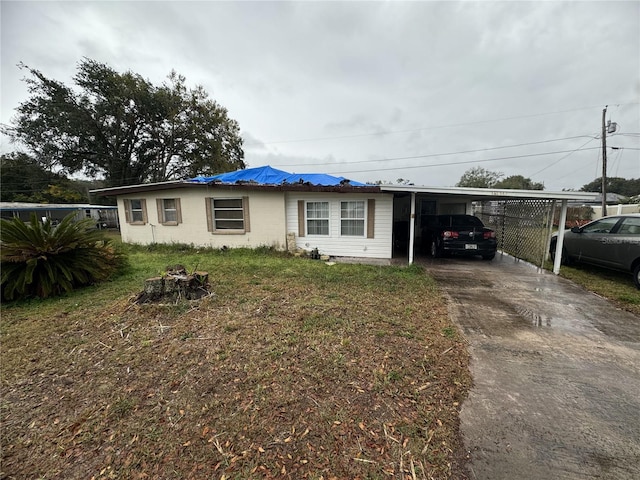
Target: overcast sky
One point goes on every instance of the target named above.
(372, 90)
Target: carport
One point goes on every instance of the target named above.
(523, 219)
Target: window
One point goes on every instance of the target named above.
(169, 212)
(602, 226)
(352, 218)
(135, 211)
(228, 215)
(318, 218)
(630, 225)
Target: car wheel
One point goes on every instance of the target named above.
(636, 275)
(491, 256)
(436, 250)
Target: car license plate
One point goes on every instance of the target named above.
(470, 246)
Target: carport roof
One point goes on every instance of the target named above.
(492, 193)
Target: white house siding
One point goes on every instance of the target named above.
(334, 244)
(266, 219)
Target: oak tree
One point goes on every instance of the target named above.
(479, 177)
(122, 128)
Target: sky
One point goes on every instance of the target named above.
(419, 91)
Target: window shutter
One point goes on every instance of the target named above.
(178, 211)
(143, 202)
(127, 210)
(160, 210)
(245, 211)
(207, 203)
(301, 228)
(371, 216)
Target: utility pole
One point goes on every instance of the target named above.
(604, 163)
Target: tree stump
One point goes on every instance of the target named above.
(176, 284)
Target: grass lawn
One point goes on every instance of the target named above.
(617, 287)
(294, 369)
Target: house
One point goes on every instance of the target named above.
(264, 206)
(260, 207)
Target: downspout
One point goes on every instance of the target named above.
(412, 226)
(560, 242)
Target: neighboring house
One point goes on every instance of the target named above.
(105, 216)
(268, 207)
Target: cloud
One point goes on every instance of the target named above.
(332, 86)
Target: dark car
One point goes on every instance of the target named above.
(610, 242)
(458, 235)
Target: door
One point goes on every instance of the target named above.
(592, 242)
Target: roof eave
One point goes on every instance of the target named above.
(142, 187)
(289, 187)
(491, 193)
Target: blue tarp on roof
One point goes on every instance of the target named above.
(271, 176)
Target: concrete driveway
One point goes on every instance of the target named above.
(556, 373)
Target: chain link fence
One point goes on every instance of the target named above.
(523, 227)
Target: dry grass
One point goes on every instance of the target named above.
(295, 369)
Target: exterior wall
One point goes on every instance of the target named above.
(266, 219)
(335, 244)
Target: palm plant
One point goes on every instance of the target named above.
(39, 259)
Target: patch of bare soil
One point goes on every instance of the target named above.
(272, 378)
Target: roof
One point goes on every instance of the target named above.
(491, 193)
(273, 179)
(271, 176)
(255, 178)
(53, 206)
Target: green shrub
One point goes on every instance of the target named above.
(39, 259)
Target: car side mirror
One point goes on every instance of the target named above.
(576, 230)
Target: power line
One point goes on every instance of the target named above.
(562, 158)
(444, 154)
(459, 163)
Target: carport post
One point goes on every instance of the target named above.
(412, 226)
(552, 217)
(560, 242)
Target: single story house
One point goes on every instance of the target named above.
(105, 216)
(264, 206)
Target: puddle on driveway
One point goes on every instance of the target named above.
(556, 374)
(489, 291)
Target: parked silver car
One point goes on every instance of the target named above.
(610, 242)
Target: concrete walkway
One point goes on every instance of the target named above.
(556, 374)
